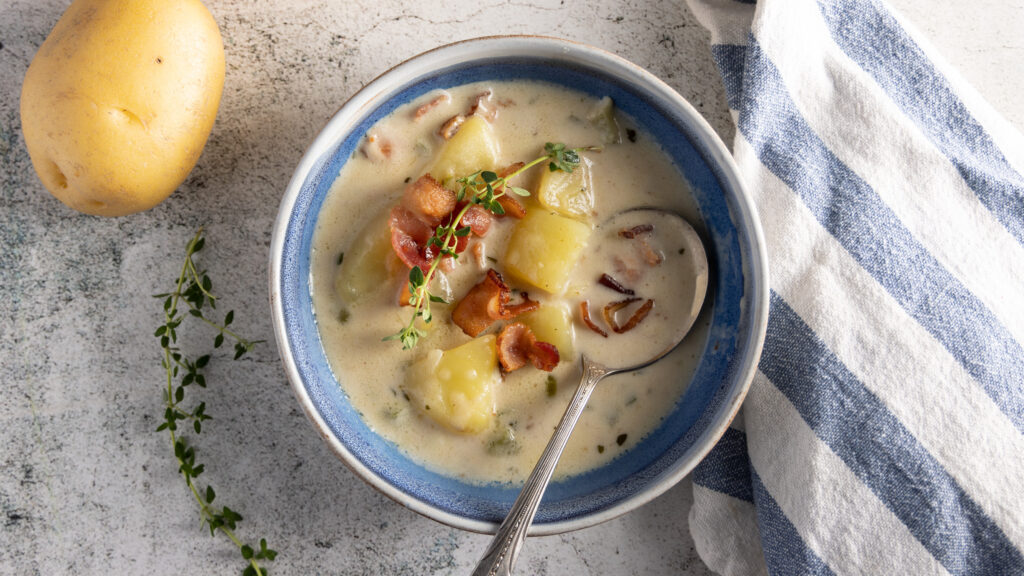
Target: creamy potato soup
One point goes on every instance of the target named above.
(488, 378)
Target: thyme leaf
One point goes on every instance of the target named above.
(193, 292)
(482, 188)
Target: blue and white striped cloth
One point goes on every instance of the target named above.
(884, 431)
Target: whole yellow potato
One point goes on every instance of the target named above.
(120, 99)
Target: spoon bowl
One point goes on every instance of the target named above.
(655, 230)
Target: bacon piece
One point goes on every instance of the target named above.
(623, 268)
(513, 207)
(461, 242)
(544, 356)
(442, 98)
(636, 318)
(527, 305)
(482, 107)
(479, 256)
(451, 126)
(375, 148)
(482, 305)
(510, 169)
(611, 308)
(404, 296)
(427, 198)
(640, 233)
(518, 345)
(652, 256)
(478, 220)
(585, 313)
(606, 280)
(410, 237)
(488, 302)
(425, 205)
(636, 231)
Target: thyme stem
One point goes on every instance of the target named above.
(194, 288)
(480, 188)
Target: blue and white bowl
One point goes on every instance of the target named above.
(739, 286)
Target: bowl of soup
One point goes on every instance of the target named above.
(443, 256)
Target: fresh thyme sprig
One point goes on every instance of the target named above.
(194, 289)
(480, 188)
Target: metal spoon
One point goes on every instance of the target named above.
(501, 554)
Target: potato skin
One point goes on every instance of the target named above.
(119, 101)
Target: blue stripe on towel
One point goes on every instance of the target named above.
(726, 468)
(785, 551)
(854, 214)
(882, 453)
(729, 58)
(872, 38)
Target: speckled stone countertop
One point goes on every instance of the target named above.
(87, 487)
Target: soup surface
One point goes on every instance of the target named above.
(357, 279)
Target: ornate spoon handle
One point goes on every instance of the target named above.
(501, 555)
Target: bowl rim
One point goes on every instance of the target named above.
(757, 302)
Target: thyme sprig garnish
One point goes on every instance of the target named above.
(194, 289)
(482, 188)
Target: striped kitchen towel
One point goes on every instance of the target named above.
(884, 431)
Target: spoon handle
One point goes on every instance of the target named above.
(501, 555)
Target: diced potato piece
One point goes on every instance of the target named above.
(568, 193)
(456, 387)
(603, 118)
(473, 148)
(544, 249)
(365, 266)
(552, 323)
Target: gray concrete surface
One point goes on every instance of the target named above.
(88, 487)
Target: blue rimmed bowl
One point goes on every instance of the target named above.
(739, 286)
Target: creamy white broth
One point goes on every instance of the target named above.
(623, 409)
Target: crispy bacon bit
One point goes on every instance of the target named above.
(409, 238)
(640, 233)
(404, 295)
(428, 199)
(487, 302)
(375, 148)
(652, 256)
(425, 205)
(451, 126)
(606, 280)
(510, 169)
(585, 313)
(518, 345)
(527, 305)
(513, 207)
(481, 306)
(636, 318)
(442, 98)
(482, 107)
(635, 231)
(611, 308)
(479, 256)
(627, 269)
(478, 220)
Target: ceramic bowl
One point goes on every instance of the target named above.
(738, 286)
